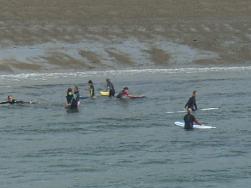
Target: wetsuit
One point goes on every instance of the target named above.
(69, 98)
(110, 88)
(72, 100)
(14, 102)
(189, 119)
(191, 103)
(122, 94)
(76, 95)
(91, 90)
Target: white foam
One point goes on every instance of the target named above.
(61, 75)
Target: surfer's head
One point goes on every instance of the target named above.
(69, 91)
(75, 88)
(10, 98)
(194, 93)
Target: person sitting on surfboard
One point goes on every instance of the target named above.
(110, 88)
(91, 88)
(123, 93)
(191, 103)
(12, 100)
(190, 120)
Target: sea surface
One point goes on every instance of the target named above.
(127, 143)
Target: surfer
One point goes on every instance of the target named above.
(76, 93)
(190, 120)
(191, 103)
(110, 88)
(91, 88)
(123, 93)
(12, 100)
(72, 99)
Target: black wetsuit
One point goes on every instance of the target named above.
(72, 100)
(191, 103)
(91, 90)
(189, 119)
(76, 95)
(69, 98)
(110, 88)
(14, 102)
(120, 95)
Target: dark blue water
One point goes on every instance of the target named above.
(129, 143)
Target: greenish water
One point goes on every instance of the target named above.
(129, 143)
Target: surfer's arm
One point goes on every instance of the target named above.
(5, 102)
(197, 122)
(188, 102)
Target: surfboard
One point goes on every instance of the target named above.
(104, 93)
(136, 97)
(201, 109)
(181, 124)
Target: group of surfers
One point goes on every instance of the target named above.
(73, 97)
(73, 100)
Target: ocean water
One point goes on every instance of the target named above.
(127, 143)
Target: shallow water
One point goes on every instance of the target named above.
(114, 143)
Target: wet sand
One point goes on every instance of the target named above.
(222, 27)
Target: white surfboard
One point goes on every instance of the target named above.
(201, 109)
(208, 109)
(181, 124)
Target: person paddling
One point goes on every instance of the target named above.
(12, 100)
(123, 93)
(191, 103)
(190, 120)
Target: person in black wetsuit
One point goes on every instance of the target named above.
(69, 96)
(71, 99)
(191, 103)
(123, 93)
(190, 120)
(110, 88)
(76, 93)
(91, 89)
(12, 100)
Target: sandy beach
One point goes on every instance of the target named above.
(221, 27)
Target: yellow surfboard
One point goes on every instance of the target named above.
(104, 93)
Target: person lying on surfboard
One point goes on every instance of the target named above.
(191, 103)
(190, 120)
(12, 100)
(123, 93)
